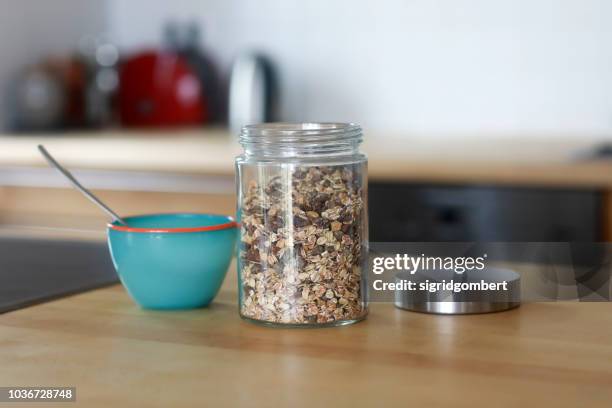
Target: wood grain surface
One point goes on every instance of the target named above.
(539, 355)
(554, 160)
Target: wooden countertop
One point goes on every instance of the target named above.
(545, 161)
(545, 354)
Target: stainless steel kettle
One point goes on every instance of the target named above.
(252, 92)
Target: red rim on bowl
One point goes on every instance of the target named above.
(123, 228)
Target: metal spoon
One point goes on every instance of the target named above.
(79, 187)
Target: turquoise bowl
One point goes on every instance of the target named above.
(172, 261)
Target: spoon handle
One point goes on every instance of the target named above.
(78, 185)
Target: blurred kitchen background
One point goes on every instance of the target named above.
(485, 120)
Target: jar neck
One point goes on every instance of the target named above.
(284, 140)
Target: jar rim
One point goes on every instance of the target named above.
(287, 132)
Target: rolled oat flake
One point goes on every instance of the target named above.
(302, 196)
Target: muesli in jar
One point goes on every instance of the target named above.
(302, 195)
(301, 256)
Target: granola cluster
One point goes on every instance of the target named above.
(301, 253)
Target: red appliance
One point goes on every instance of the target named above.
(160, 89)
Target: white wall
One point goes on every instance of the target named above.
(422, 66)
(30, 29)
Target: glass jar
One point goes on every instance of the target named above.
(302, 206)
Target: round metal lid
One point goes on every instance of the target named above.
(446, 300)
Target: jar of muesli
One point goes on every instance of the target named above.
(302, 197)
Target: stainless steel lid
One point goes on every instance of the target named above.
(445, 299)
